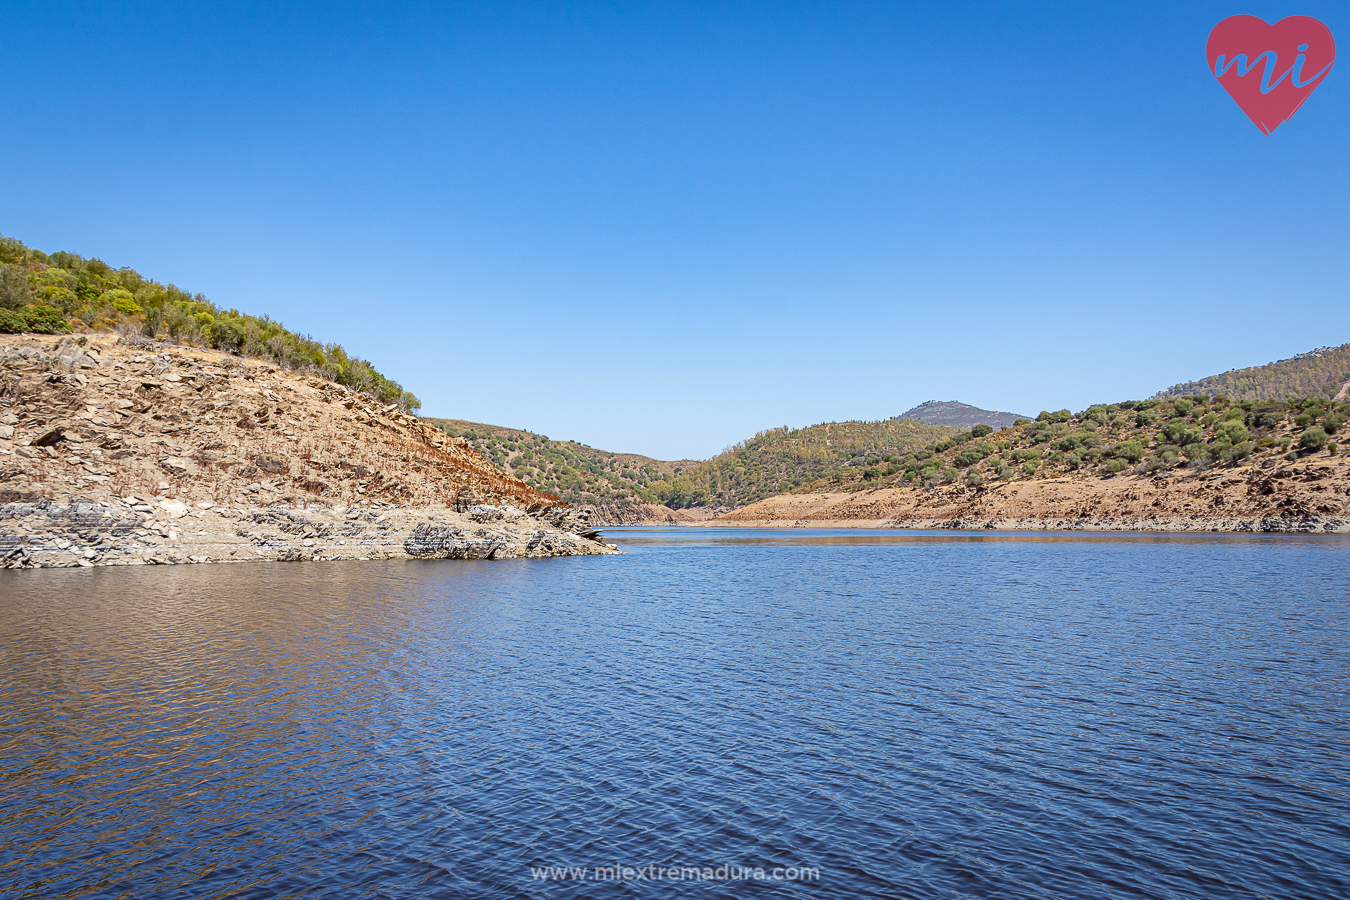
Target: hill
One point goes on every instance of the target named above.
(579, 474)
(953, 414)
(1179, 464)
(63, 292)
(126, 450)
(769, 463)
(782, 459)
(1324, 372)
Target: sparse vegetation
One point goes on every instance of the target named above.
(1137, 437)
(772, 462)
(779, 460)
(577, 473)
(1317, 374)
(59, 292)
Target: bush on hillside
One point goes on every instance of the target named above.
(1231, 430)
(1131, 451)
(39, 319)
(15, 290)
(1313, 439)
(1179, 431)
(1267, 415)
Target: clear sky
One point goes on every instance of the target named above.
(660, 228)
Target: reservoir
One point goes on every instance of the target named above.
(717, 713)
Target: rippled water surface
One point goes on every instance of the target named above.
(911, 715)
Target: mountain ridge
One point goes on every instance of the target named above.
(955, 414)
(1323, 372)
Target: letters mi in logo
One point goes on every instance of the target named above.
(1270, 69)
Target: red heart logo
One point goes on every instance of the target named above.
(1270, 69)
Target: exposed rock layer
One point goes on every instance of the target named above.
(139, 451)
(1306, 495)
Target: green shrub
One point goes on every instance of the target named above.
(121, 300)
(981, 430)
(1179, 431)
(1232, 430)
(1333, 422)
(1115, 466)
(871, 473)
(43, 319)
(1313, 439)
(1284, 442)
(1195, 450)
(1331, 448)
(1145, 418)
(1133, 451)
(1029, 467)
(1267, 415)
(1183, 406)
(968, 457)
(15, 289)
(38, 319)
(1304, 419)
(1238, 452)
(973, 479)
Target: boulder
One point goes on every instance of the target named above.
(175, 508)
(442, 542)
(51, 438)
(175, 465)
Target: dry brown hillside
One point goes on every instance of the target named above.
(1309, 495)
(112, 418)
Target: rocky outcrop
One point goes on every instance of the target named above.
(131, 451)
(648, 514)
(46, 534)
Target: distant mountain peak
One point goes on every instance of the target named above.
(955, 414)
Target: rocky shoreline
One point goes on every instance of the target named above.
(1231, 525)
(1307, 495)
(137, 531)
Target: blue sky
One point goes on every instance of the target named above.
(659, 228)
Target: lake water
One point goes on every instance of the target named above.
(852, 714)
